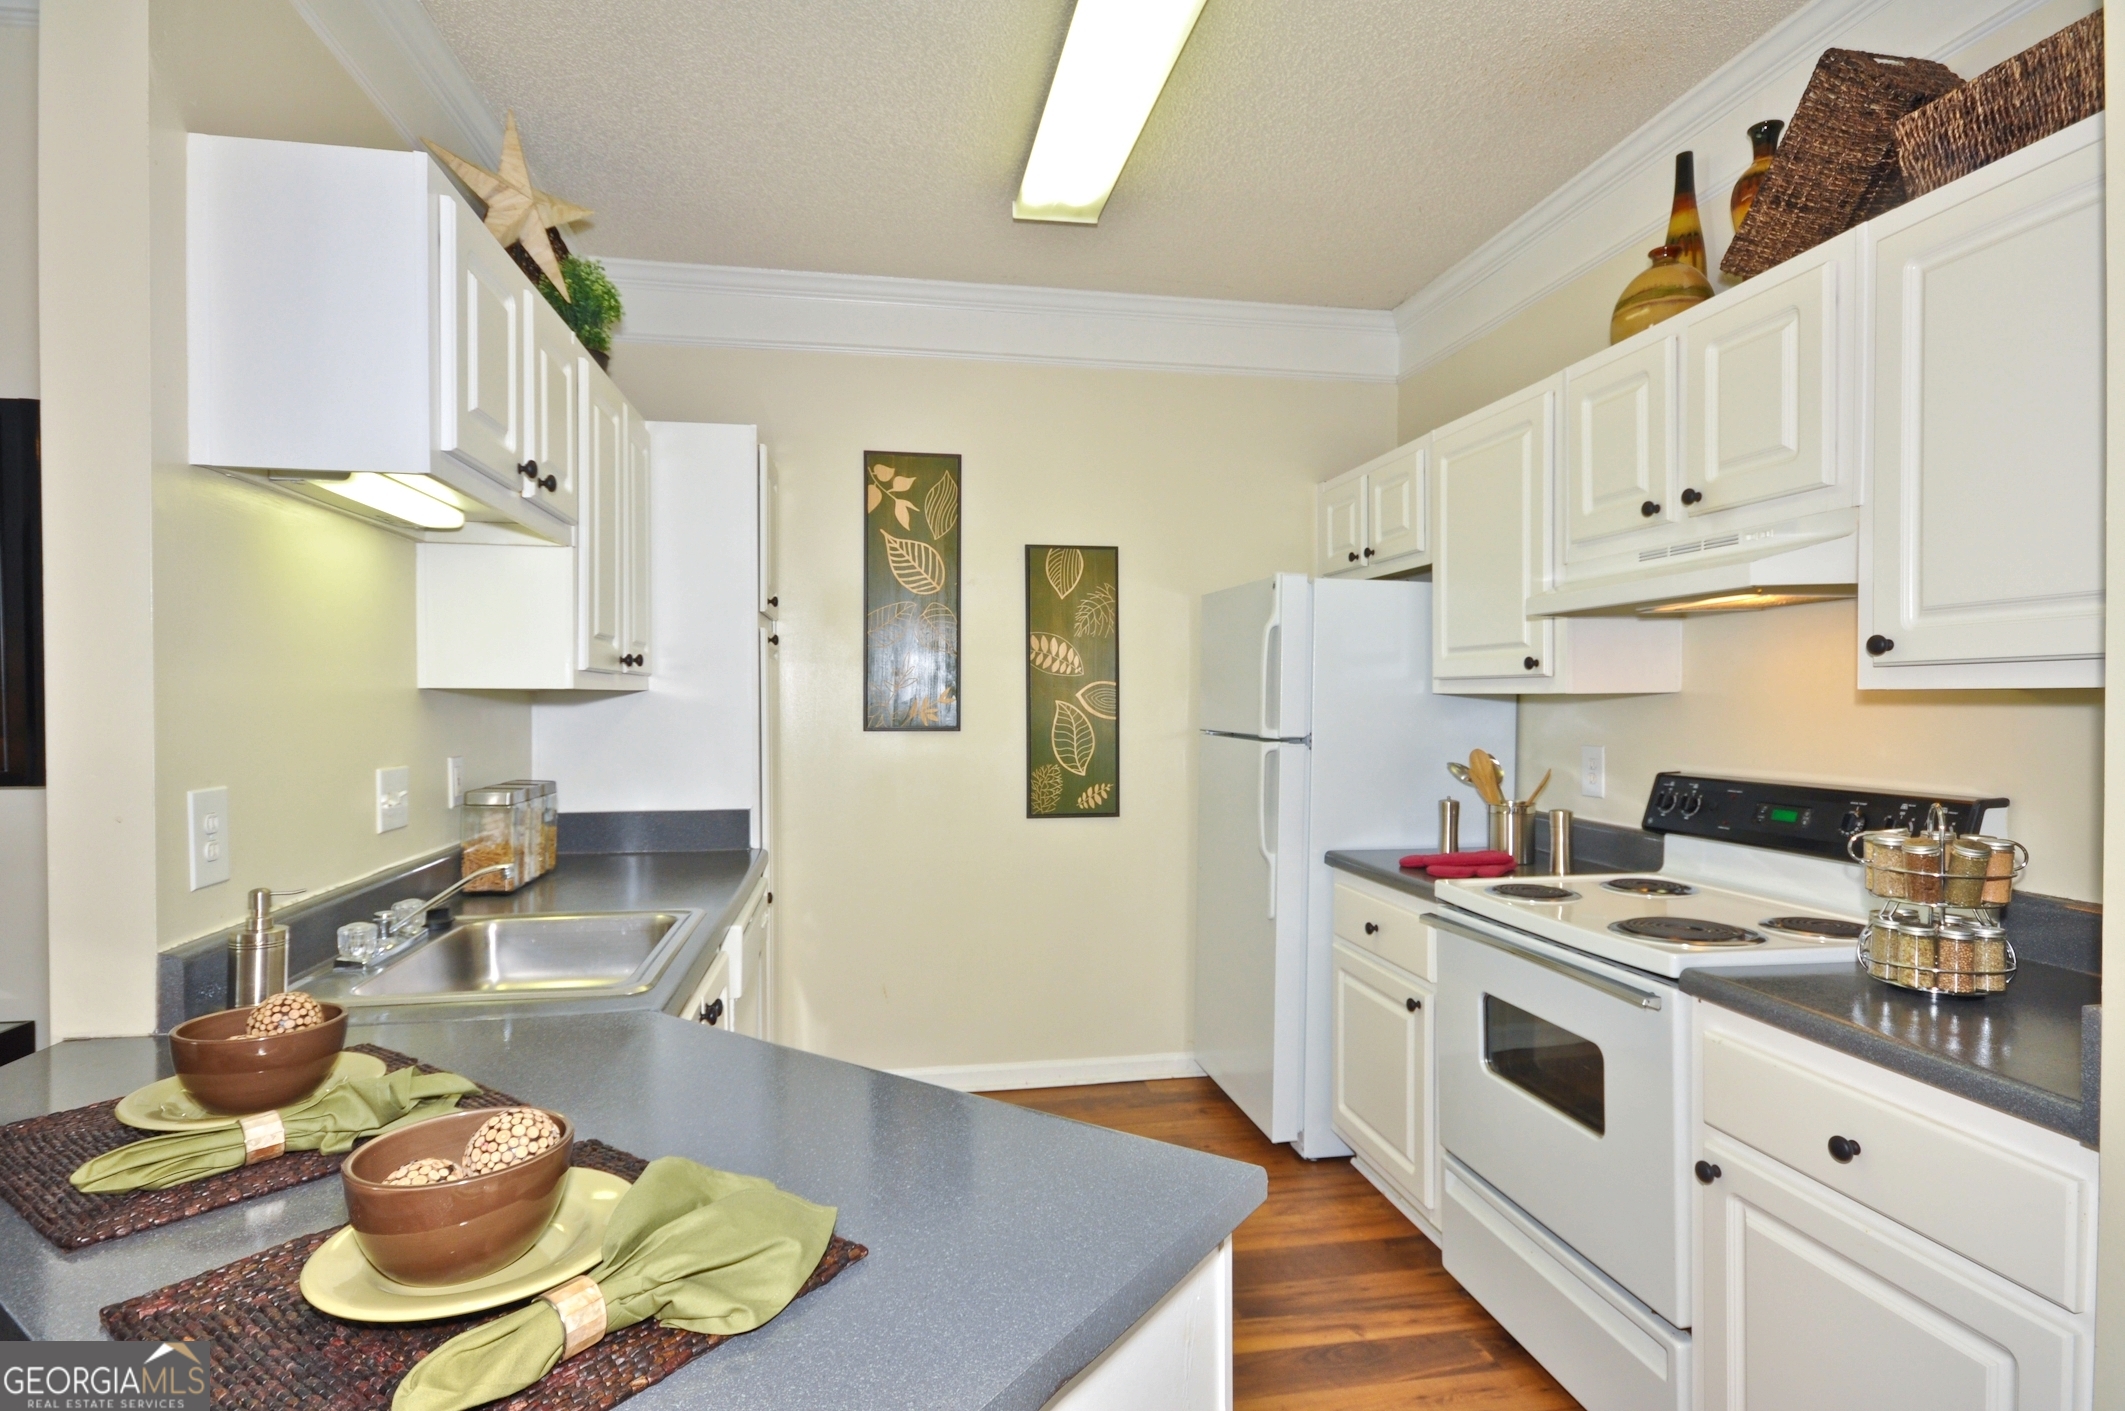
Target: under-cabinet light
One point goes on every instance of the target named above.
(1114, 63)
(390, 496)
(1750, 601)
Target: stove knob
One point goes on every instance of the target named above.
(1691, 803)
(1664, 800)
(1852, 822)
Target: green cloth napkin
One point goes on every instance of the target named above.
(693, 1248)
(331, 1119)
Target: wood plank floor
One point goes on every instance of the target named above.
(1338, 1301)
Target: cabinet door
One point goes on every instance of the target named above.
(1761, 409)
(1382, 1065)
(1619, 444)
(1341, 530)
(482, 350)
(1395, 507)
(1811, 1301)
(769, 487)
(603, 533)
(635, 604)
(553, 445)
(1493, 472)
(1986, 530)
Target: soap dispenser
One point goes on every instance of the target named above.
(258, 952)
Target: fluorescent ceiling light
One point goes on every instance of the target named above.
(1113, 65)
(390, 496)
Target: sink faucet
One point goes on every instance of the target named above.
(390, 925)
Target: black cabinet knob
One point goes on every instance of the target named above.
(1691, 497)
(529, 469)
(1414, 1004)
(1353, 555)
(1843, 1149)
(1707, 1173)
(1649, 508)
(1372, 928)
(712, 1012)
(633, 659)
(774, 602)
(1368, 553)
(547, 483)
(1531, 662)
(1878, 645)
(774, 639)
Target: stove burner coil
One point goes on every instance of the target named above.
(1650, 887)
(1828, 928)
(1533, 891)
(1685, 930)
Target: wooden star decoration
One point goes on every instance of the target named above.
(517, 210)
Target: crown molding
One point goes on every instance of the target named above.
(721, 306)
(396, 55)
(1620, 201)
(15, 13)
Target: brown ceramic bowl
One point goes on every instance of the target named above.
(232, 1074)
(459, 1230)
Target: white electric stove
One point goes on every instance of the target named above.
(1565, 1068)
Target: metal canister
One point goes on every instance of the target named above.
(1449, 825)
(1560, 841)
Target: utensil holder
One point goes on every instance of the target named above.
(1510, 833)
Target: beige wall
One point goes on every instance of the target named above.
(922, 919)
(18, 210)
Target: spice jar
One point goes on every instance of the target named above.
(546, 807)
(2004, 856)
(1956, 952)
(1968, 861)
(1884, 854)
(1900, 947)
(1995, 958)
(499, 827)
(1923, 859)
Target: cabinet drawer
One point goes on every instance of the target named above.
(1391, 932)
(2018, 1218)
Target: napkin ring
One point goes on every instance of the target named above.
(264, 1137)
(582, 1308)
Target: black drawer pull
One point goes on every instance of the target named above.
(1372, 928)
(1843, 1149)
(1414, 1004)
(1691, 497)
(1649, 508)
(1707, 1173)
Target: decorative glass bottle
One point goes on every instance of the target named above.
(1763, 138)
(1665, 290)
(1685, 232)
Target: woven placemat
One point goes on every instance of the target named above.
(273, 1350)
(38, 1154)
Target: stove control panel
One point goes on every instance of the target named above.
(1804, 818)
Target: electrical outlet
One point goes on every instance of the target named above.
(392, 788)
(207, 835)
(454, 773)
(1593, 771)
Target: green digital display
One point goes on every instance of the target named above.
(1784, 815)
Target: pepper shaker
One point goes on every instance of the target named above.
(1449, 825)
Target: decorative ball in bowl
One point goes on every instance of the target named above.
(451, 1230)
(235, 1073)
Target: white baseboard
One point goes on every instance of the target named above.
(1057, 1073)
(1400, 1202)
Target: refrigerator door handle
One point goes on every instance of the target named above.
(1273, 669)
(1262, 816)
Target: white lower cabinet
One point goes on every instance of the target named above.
(748, 947)
(1895, 1261)
(1383, 1078)
(710, 1001)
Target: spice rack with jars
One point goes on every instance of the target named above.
(1939, 929)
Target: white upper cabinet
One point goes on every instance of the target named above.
(606, 532)
(398, 343)
(634, 575)
(1983, 542)
(1619, 447)
(553, 445)
(1372, 522)
(1493, 473)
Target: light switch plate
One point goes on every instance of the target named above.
(206, 832)
(1593, 772)
(392, 787)
(454, 774)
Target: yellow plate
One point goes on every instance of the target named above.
(341, 1281)
(167, 1107)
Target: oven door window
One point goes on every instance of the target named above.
(1552, 1063)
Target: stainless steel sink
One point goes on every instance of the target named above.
(512, 957)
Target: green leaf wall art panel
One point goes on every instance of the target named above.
(1073, 682)
(910, 591)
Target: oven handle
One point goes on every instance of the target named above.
(1644, 999)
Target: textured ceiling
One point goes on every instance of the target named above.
(1340, 152)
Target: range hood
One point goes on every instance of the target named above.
(1767, 567)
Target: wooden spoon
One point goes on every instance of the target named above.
(1540, 787)
(1490, 780)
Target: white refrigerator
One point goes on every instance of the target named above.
(1319, 731)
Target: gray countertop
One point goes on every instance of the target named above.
(1008, 1247)
(1382, 865)
(712, 884)
(2019, 1051)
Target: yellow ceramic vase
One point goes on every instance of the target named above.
(1661, 292)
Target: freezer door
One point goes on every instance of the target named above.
(1250, 926)
(1256, 650)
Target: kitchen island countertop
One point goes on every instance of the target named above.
(1008, 1248)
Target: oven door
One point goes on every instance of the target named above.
(1562, 1083)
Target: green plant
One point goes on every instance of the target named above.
(596, 305)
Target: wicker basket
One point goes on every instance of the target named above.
(2044, 89)
(1837, 166)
